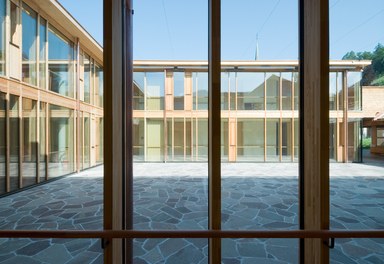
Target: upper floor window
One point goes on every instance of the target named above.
(29, 48)
(61, 63)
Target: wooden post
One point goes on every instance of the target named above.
(214, 127)
(118, 118)
(314, 126)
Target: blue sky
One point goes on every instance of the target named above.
(177, 29)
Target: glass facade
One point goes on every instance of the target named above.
(38, 139)
(259, 115)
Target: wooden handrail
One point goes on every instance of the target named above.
(323, 234)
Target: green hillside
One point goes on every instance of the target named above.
(373, 74)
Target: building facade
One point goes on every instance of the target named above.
(51, 94)
(259, 102)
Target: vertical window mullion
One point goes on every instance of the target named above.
(214, 127)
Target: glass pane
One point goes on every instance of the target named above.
(61, 63)
(29, 167)
(286, 139)
(170, 128)
(259, 185)
(200, 91)
(99, 140)
(273, 139)
(356, 171)
(15, 24)
(250, 139)
(43, 142)
(87, 79)
(286, 90)
(273, 91)
(2, 35)
(250, 91)
(178, 90)
(61, 152)
(86, 140)
(99, 88)
(14, 142)
(155, 90)
(3, 142)
(29, 57)
(43, 54)
(138, 90)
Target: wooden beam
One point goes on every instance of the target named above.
(113, 136)
(314, 127)
(214, 127)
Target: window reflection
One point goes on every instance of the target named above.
(29, 165)
(155, 90)
(250, 91)
(14, 140)
(273, 91)
(61, 65)
(29, 57)
(42, 54)
(3, 152)
(178, 90)
(61, 154)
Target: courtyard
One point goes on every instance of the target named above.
(257, 196)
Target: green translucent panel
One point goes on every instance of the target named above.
(155, 140)
(273, 150)
(286, 139)
(138, 139)
(250, 139)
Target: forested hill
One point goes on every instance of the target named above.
(373, 74)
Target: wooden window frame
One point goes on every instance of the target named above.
(313, 166)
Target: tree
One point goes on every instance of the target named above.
(374, 73)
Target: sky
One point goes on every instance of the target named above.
(177, 29)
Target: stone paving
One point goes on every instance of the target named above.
(260, 196)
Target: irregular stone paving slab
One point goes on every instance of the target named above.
(258, 196)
